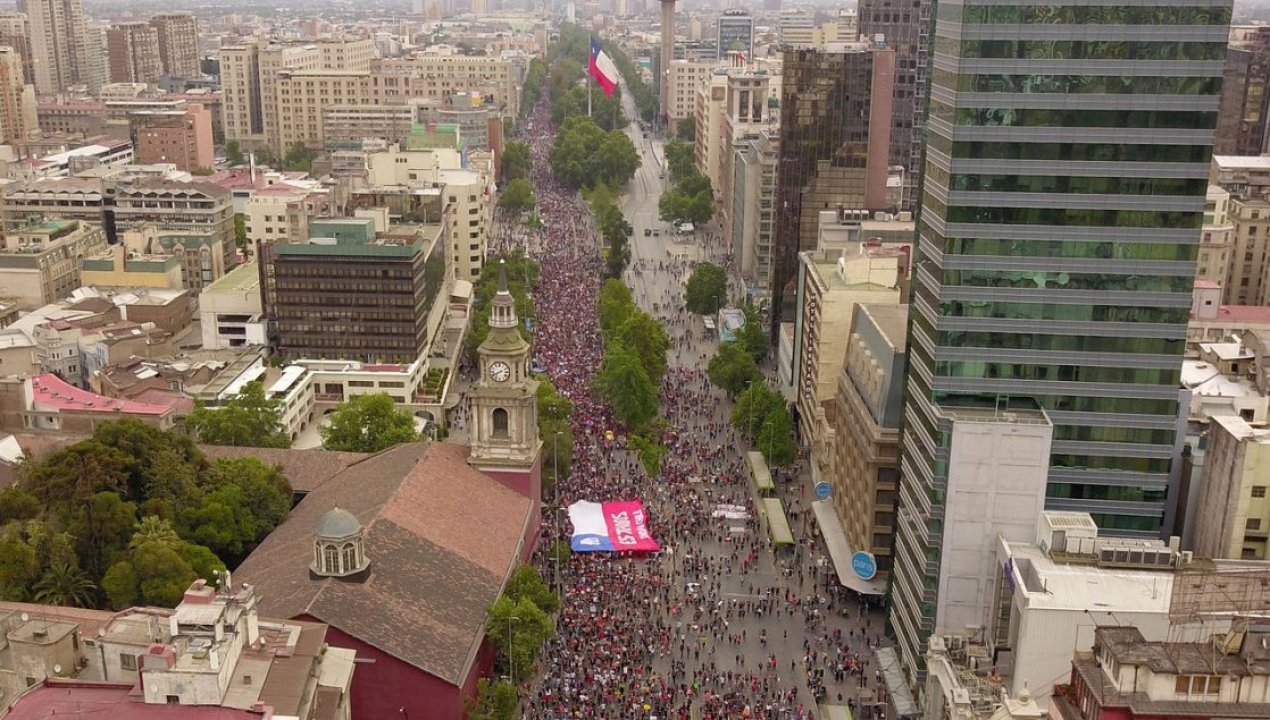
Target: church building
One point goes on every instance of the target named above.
(402, 552)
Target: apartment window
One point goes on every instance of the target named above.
(1253, 524)
(127, 661)
(1258, 491)
(1197, 685)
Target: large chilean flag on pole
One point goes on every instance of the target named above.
(602, 69)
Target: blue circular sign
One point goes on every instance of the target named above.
(864, 565)
(823, 491)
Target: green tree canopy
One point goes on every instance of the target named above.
(690, 200)
(526, 583)
(584, 155)
(518, 629)
(368, 423)
(707, 290)
(248, 419)
(234, 153)
(753, 406)
(751, 335)
(615, 306)
(522, 276)
(776, 438)
(67, 585)
(686, 132)
(680, 160)
(518, 196)
(554, 410)
(644, 335)
(623, 383)
(495, 700)
(517, 161)
(732, 369)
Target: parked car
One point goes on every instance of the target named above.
(648, 231)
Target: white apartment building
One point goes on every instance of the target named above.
(231, 310)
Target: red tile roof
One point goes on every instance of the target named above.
(108, 701)
(1244, 313)
(52, 392)
(442, 538)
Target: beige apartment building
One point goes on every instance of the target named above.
(685, 79)
(18, 117)
(1216, 248)
(40, 264)
(178, 44)
(1247, 267)
(249, 80)
(856, 443)
(63, 49)
(277, 95)
(1232, 519)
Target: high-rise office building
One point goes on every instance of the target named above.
(133, 51)
(1057, 239)
(178, 44)
(835, 136)
(64, 51)
(905, 27)
(736, 33)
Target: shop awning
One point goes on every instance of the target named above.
(901, 696)
(759, 473)
(840, 551)
(777, 523)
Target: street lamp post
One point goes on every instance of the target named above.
(511, 653)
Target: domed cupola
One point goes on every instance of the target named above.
(338, 545)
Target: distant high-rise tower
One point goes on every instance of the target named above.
(835, 132)
(17, 99)
(133, 51)
(1063, 194)
(15, 31)
(906, 29)
(178, 44)
(64, 51)
(736, 33)
(667, 53)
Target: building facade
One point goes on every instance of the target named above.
(835, 128)
(1233, 517)
(906, 29)
(858, 449)
(180, 137)
(315, 292)
(178, 44)
(736, 33)
(133, 52)
(1055, 262)
(63, 49)
(40, 264)
(18, 118)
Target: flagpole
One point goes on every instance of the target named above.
(588, 94)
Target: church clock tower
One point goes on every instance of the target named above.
(505, 443)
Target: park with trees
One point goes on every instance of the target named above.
(132, 515)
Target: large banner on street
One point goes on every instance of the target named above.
(610, 527)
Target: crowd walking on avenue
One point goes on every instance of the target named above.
(720, 623)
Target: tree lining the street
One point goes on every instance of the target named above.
(732, 369)
(584, 155)
(613, 227)
(554, 411)
(519, 622)
(518, 196)
(689, 200)
(707, 290)
(762, 415)
(517, 161)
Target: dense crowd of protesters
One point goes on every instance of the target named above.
(720, 623)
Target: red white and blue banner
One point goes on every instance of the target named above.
(616, 526)
(602, 69)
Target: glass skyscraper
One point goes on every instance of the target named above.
(1062, 199)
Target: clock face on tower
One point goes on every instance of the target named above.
(499, 371)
